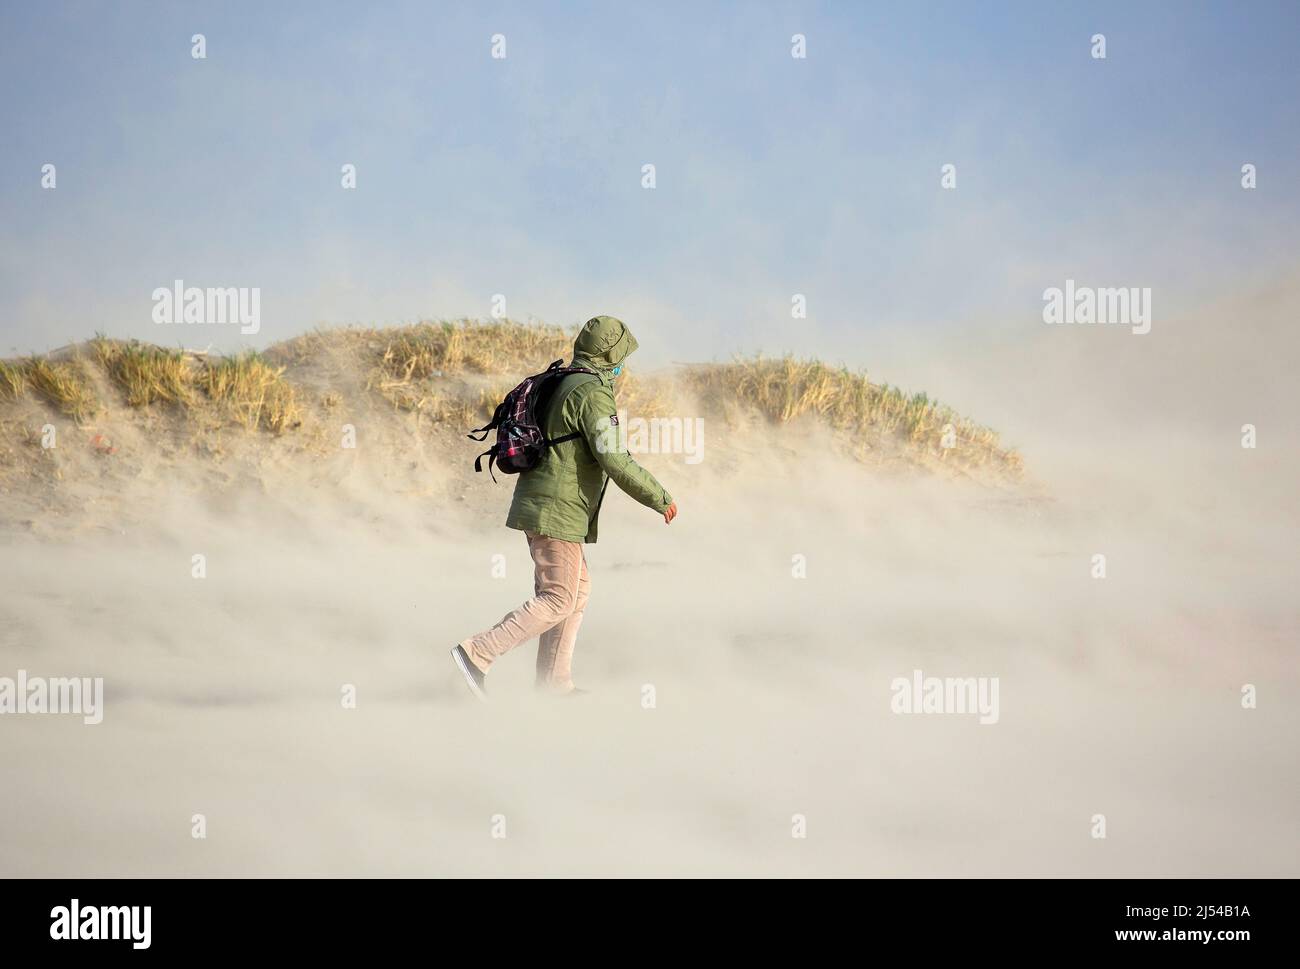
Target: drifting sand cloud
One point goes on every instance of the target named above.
(767, 623)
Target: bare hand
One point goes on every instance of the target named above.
(670, 513)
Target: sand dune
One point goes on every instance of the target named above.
(1118, 696)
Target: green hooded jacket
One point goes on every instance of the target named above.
(560, 498)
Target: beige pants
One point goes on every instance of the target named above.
(560, 587)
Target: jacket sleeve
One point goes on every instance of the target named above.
(602, 436)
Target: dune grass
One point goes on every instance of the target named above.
(61, 383)
(246, 387)
(428, 349)
(785, 389)
(253, 391)
(13, 380)
(455, 373)
(146, 373)
(412, 362)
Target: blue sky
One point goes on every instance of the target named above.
(522, 176)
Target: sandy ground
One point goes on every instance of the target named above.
(1118, 696)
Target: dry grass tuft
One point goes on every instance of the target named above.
(63, 383)
(247, 387)
(432, 349)
(786, 389)
(253, 391)
(413, 362)
(146, 373)
(13, 380)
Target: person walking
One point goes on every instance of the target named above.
(556, 505)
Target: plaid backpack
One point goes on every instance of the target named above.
(521, 443)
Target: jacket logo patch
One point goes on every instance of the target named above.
(613, 420)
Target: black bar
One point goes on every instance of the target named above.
(331, 917)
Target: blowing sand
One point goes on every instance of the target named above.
(772, 694)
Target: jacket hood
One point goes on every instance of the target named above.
(604, 342)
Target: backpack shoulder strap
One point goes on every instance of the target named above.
(559, 400)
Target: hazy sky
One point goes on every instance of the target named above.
(522, 176)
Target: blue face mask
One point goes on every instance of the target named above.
(617, 370)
